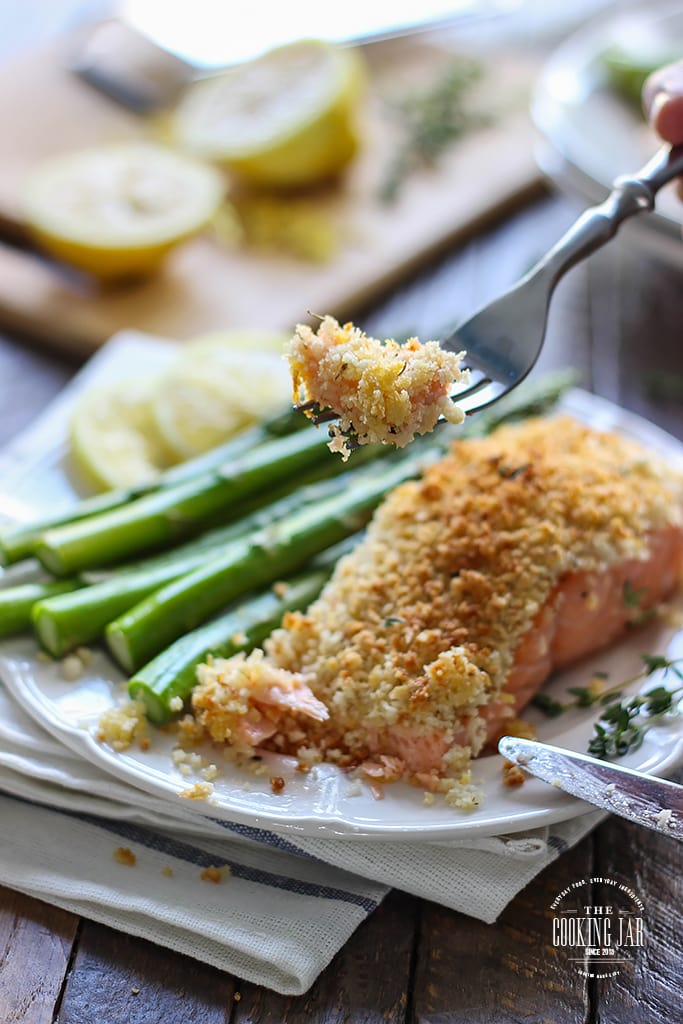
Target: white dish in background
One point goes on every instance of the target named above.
(590, 134)
(33, 471)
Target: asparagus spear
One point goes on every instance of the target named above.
(18, 541)
(251, 562)
(72, 619)
(173, 672)
(158, 519)
(16, 602)
(266, 503)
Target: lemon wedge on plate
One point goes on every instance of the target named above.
(114, 441)
(217, 388)
(116, 211)
(286, 118)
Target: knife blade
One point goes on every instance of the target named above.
(643, 799)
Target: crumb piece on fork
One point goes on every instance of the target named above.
(382, 391)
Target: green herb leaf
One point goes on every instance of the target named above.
(654, 662)
(430, 122)
(548, 705)
(584, 697)
(623, 723)
(632, 598)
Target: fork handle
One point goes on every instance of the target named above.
(631, 194)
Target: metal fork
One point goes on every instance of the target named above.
(503, 340)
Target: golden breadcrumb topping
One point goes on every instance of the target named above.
(419, 627)
(383, 392)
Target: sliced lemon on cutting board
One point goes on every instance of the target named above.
(286, 118)
(116, 211)
(114, 440)
(214, 390)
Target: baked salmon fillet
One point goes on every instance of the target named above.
(514, 555)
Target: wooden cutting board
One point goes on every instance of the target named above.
(209, 284)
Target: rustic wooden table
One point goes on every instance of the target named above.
(617, 319)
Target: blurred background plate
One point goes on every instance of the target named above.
(591, 133)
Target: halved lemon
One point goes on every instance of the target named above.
(214, 390)
(117, 210)
(114, 440)
(286, 118)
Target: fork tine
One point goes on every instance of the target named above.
(472, 389)
(324, 417)
(490, 392)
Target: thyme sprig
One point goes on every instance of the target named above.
(623, 722)
(430, 121)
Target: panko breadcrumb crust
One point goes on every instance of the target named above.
(418, 627)
(384, 392)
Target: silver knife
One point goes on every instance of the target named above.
(655, 803)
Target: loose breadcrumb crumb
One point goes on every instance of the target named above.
(72, 668)
(167, 872)
(176, 703)
(123, 855)
(215, 874)
(122, 724)
(513, 774)
(200, 791)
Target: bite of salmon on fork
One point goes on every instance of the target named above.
(513, 556)
(390, 393)
(375, 391)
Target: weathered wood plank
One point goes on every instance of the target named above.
(635, 332)
(35, 946)
(472, 973)
(124, 980)
(647, 990)
(366, 983)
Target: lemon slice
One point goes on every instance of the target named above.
(116, 211)
(215, 390)
(286, 118)
(114, 441)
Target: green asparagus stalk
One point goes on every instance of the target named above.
(158, 519)
(69, 620)
(18, 540)
(299, 489)
(250, 563)
(172, 674)
(16, 603)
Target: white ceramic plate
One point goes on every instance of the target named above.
(322, 803)
(591, 135)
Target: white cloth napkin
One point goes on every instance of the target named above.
(286, 905)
